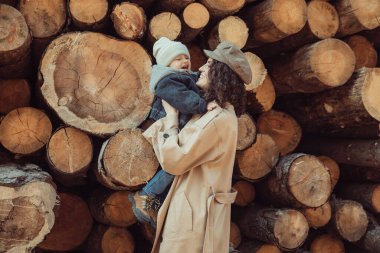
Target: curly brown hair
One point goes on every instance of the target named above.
(226, 86)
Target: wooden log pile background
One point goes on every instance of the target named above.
(74, 99)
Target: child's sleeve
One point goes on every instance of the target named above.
(173, 89)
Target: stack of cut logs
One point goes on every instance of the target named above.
(74, 101)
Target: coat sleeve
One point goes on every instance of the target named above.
(179, 152)
(173, 90)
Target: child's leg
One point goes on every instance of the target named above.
(158, 183)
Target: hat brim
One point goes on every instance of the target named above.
(214, 55)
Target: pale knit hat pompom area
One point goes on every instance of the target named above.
(166, 50)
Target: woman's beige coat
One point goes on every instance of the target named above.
(195, 216)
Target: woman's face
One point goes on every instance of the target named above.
(203, 80)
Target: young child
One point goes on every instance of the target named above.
(173, 81)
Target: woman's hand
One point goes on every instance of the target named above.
(170, 110)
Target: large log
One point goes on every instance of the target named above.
(232, 29)
(327, 243)
(106, 239)
(365, 53)
(220, 9)
(165, 24)
(371, 240)
(246, 132)
(14, 93)
(27, 202)
(318, 216)
(258, 160)
(126, 161)
(357, 15)
(367, 194)
(112, 208)
(25, 130)
(194, 18)
(299, 180)
(286, 228)
(129, 21)
(258, 247)
(246, 193)
(175, 6)
(363, 153)
(69, 154)
(319, 66)
(96, 83)
(333, 168)
(235, 236)
(284, 130)
(362, 174)
(72, 225)
(373, 36)
(354, 104)
(273, 20)
(88, 14)
(349, 220)
(322, 23)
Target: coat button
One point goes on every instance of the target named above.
(166, 135)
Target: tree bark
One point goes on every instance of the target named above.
(126, 161)
(118, 71)
(284, 130)
(333, 169)
(373, 36)
(246, 193)
(354, 104)
(14, 93)
(89, 14)
(69, 154)
(299, 180)
(219, 9)
(25, 130)
(357, 173)
(112, 208)
(319, 66)
(349, 220)
(27, 199)
(106, 239)
(246, 132)
(71, 228)
(129, 21)
(258, 160)
(194, 18)
(318, 216)
(356, 15)
(327, 243)
(286, 228)
(371, 240)
(273, 20)
(175, 6)
(258, 247)
(232, 29)
(365, 53)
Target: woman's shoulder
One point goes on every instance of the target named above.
(219, 116)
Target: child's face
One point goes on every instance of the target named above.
(181, 61)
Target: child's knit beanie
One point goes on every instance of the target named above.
(165, 51)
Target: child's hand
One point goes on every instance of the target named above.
(169, 109)
(211, 105)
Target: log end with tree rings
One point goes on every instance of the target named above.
(246, 132)
(258, 247)
(14, 93)
(129, 20)
(126, 161)
(245, 193)
(25, 130)
(294, 12)
(309, 181)
(118, 209)
(70, 152)
(28, 199)
(196, 16)
(232, 29)
(96, 83)
(15, 37)
(258, 160)
(318, 216)
(290, 229)
(333, 168)
(327, 243)
(235, 236)
(332, 61)
(45, 18)
(283, 128)
(72, 225)
(165, 24)
(88, 13)
(365, 53)
(375, 200)
(370, 91)
(259, 72)
(323, 19)
(264, 97)
(223, 8)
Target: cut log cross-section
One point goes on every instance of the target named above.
(69, 154)
(286, 228)
(245, 193)
(194, 18)
(258, 247)
(333, 168)
(89, 14)
(27, 202)
(25, 130)
(220, 9)
(235, 235)
(126, 161)
(365, 53)
(246, 132)
(323, 65)
(14, 93)
(96, 83)
(318, 216)
(165, 24)
(327, 243)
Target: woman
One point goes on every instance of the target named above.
(195, 216)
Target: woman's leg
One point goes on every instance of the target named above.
(158, 183)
